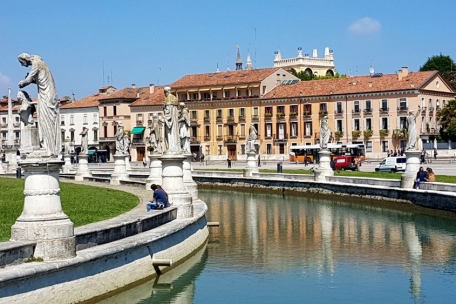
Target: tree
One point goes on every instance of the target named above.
(447, 120)
(445, 65)
(306, 76)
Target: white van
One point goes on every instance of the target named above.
(392, 164)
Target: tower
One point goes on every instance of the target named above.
(238, 60)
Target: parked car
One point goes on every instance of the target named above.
(346, 162)
(392, 164)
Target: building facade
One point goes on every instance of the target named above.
(310, 65)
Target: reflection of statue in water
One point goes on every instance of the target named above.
(251, 139)
(184, 129)
(27, 108)
(48, 102)
(154, 135)
(325, 132)
(119, 139)
(411, 129)
(171, 118)
(84, 141)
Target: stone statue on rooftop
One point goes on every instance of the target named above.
(325, 133)
(47, 105)
(171, 120)
(251, 139)
(184, 128)
(411, 129)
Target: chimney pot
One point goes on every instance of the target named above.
(133, 85)
(151, 88)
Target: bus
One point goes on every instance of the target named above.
(298, 154)
(357, 150)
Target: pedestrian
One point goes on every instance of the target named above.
(259, 161)
(423, 156)
(202, 157)
(435, 153)
(159, 200)
(228, 160)
(388, 153)
(305, 160)
(144, 161)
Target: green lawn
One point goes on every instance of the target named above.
(83, 204)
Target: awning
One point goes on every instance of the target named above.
(137, 130)
(91, 152)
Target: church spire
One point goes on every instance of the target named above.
(248, 64)
(238, 60)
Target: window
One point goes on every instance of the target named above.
(219, 130)
(356, 107)
(243, 130)
(268, 130)
(430, 102)
(206, 114)
(194, 131)
(219, 113)
(323, 108)
(385, 147)
(71, 135)
(255, 111)
(62, 135)
(368, 123)
(207, 131)
(402, 122)
(294, 129)
(194, 115)
(423, 123)
(62, 120)
(293, 109)
(369, 146)
(242, 149)
(402, 103)
(339, 108)
(206, 95)
(195, 96)
(230, 130)
(384, 123)
(356, 124)
(437, 104)
(368, 106)
(281, 109)
(339, 125)
(71, 119)
(105, 131)
(105, 111)
(308, 128)
(227, 94)
(95, 118)
(423, 102)
(85, 119)
(230, 112)
(114, 110)
(268, 110)
(242, 112)
(115, 130)
(268, 149)
(384, 105)
(307, 109)
(95, 135)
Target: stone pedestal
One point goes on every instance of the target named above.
(127, 163)
(189, 183)
(155, 176)
(67, 167)
(411, 168)
(173, 183)
(43, 220)
(325, 166)
(11, 159)
(252, 164)
(120, 171)
(2, 168)
(83, 168)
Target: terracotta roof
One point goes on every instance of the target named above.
(86, 102)
(148, 99)
(352, 85)
(127, 93)
(223, 78)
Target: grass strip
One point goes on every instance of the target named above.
(83, 204)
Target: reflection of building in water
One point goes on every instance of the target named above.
(174, 286)
(354, 232)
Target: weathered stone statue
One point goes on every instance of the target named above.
(84, 141)
(48, 102)
(411, 129)
(120, 139)
(325, 132)
(171, 119)
(127, 143)
(27, 108)
(155, 136)
(184, 128)
(251, 139)
(67, 146)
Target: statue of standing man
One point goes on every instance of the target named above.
(47, 105)
(184, 128)
(325, 133)
(411, 129)
(251, 139)
(171, 119)
(84, 141)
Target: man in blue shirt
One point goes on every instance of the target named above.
(160, 198)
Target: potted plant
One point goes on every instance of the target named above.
(367, 133)
(267, 114)
(280, 114)
(355, 133)
(293, 113)
(383, 133)
(338, 134)
(306, 112)
(150, 148)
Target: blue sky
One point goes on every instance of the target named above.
(158, 42)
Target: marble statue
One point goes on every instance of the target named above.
(251, 139)
(184, 128)
(126, 143)
(171, 118)
(154, 135)
(47, 105)
(325, 132)
(120, 139)
(67, 146)
(84, 141)
(411, 129)
(27, 108)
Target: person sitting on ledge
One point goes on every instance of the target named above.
(430, 175)
(421, 176)
(160, 198)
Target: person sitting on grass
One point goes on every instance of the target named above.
(160, 198)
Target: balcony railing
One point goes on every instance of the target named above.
(368, 111)
(255, 117)
(207, 119)
(230, 118)
(109, 138)
(241, 118)
(281, 138)
(207, 138)
(402, 108)
(230, 138)
(323, 112)
(431, 109)
(384, 109)
(194, 120)
(268, 116)
(219, 137)
(307, 113)
(194, 140)
(17, 124)
(219, 119)
(356, 111)
(339, 112)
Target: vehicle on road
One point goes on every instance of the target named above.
(347, 162)
(298, 154)
(392, 164)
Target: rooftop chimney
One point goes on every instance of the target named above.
(133, 86)
(151, 88)
(403, 72)
(315, 53)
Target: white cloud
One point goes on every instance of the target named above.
(365, 26)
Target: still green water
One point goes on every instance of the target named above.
(293, 249)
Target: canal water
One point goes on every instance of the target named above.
(293, 249)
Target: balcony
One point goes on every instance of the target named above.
(17, 124)
(219, 137)
(241, 118)
(136, 141)
(230, 138)
(339, 112)
(194, 120)
(219, 119)
(207, 138)
(368, 111)
(4, 125)
(429, 131)
(207, 119)
(230, 119)
(400, 134)
(195, 140)
(402, 109)
(323, 112)
(307, 113)
(242, 137)
(280, 115)
(139, 122)
(356, 111)
(384, 110)
(384, 133)
(110, 138)
(255, 118)
(423, 110)
(268, 116)
(281, 138)
(431, 111)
